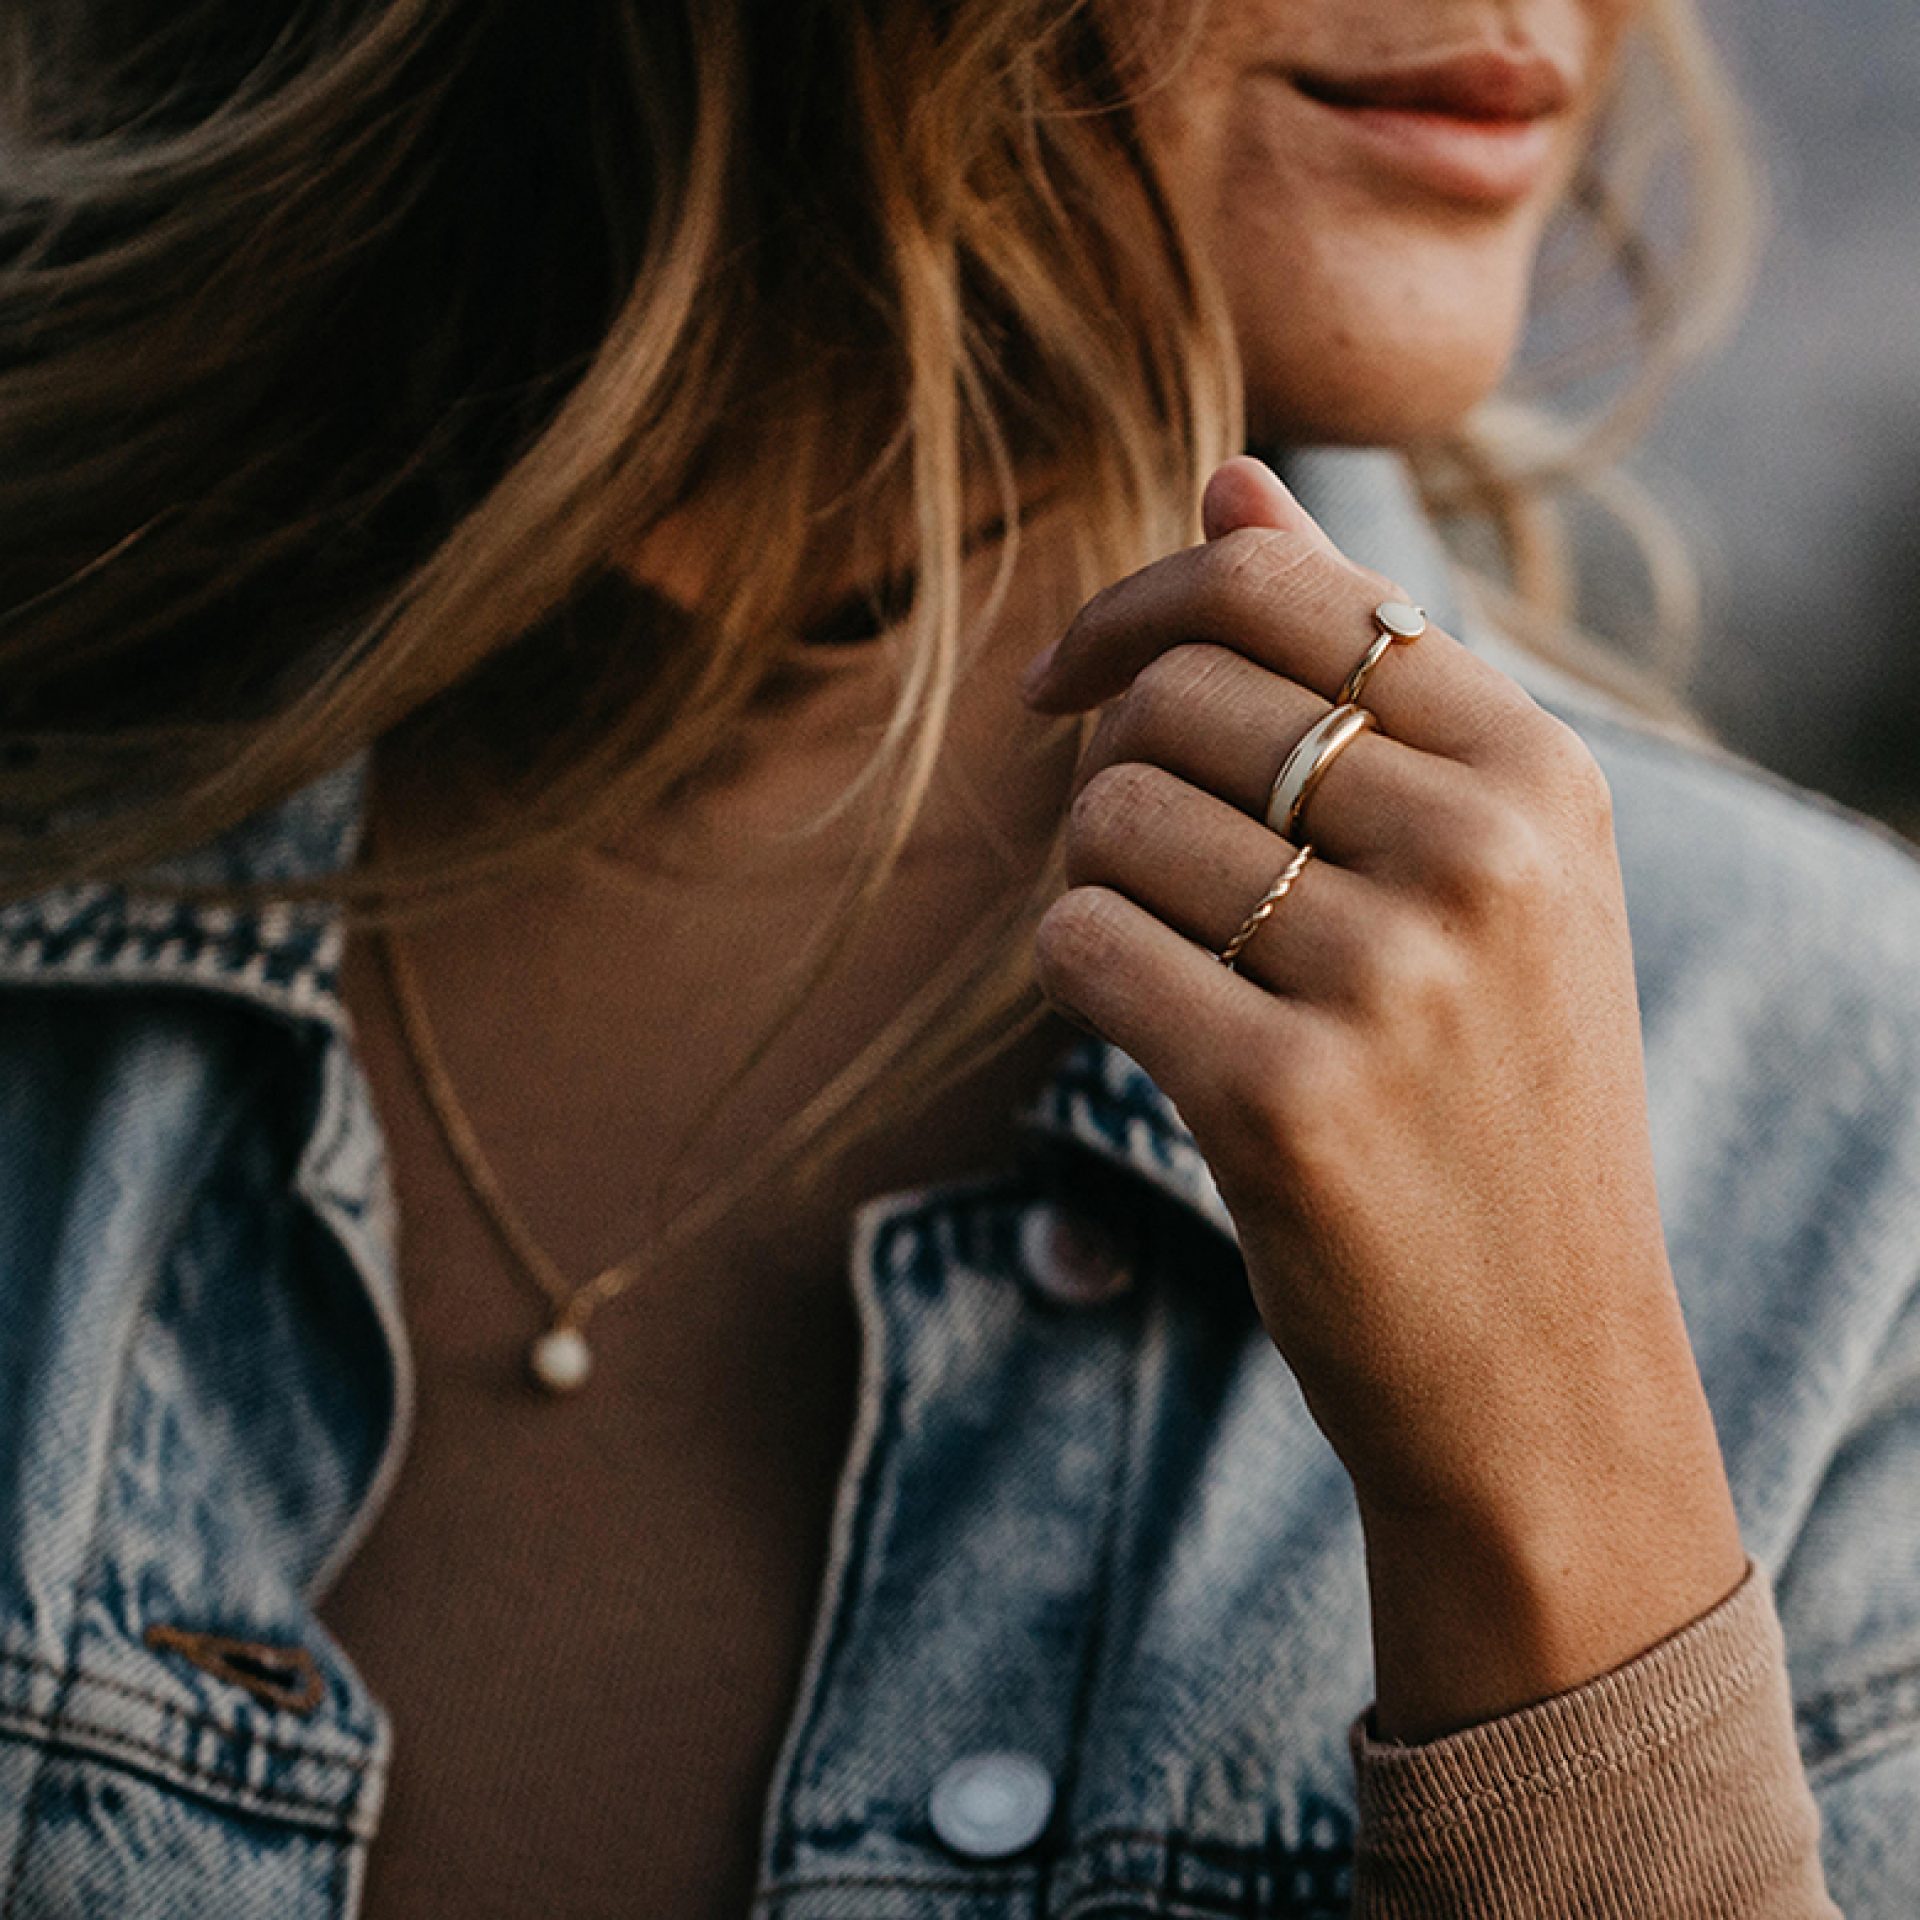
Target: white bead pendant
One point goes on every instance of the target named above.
(560, 1360)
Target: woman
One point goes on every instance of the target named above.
(530, 830)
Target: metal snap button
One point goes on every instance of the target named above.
(1072, 1259)
(989, 1805)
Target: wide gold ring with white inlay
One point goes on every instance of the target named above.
(1303, 769)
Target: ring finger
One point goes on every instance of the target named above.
(1200, 865)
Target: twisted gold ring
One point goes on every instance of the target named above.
(1268, 901)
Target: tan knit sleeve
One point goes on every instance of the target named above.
(1671, 1786)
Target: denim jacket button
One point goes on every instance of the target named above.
(990, 1805)
(1071, 1258)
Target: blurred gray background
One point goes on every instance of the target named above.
(1793, 460)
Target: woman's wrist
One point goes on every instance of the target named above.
(1484, 1605)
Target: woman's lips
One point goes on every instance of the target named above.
(1478, 127)
(1480, 85)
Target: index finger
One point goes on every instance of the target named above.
(1300, 609)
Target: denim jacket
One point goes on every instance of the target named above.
(1084, 1519)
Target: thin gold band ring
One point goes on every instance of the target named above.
(1397, 620)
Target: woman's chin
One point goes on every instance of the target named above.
(1344, 401)
(1388, 347)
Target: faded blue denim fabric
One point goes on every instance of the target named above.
(1091, 1524)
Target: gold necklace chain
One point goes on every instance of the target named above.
(558, 1359)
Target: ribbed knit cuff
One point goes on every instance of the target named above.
(1670, 1787)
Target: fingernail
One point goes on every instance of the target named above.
(1037, 667)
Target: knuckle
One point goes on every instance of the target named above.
(1170, 685)
(1583, 781)
(1115, 803)
(1406, 966)
(1563, 764)
(1497, 857)
(1249, 563)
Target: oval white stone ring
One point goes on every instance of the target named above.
(1396, 621)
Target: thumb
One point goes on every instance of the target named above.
(1246, 492)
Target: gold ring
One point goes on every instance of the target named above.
(1300, 773)
(1396, 621)
(1268, 901)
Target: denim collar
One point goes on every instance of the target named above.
(285, 958)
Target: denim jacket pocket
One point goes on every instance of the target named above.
(139, 1781)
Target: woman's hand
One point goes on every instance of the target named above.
(1421, 1094)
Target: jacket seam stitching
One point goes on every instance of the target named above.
(1169, 1906)
(231, 1730)
(306, 999)
(1161, 1180)
(987, 1880)
(1092, 1837)
(1168, 1900)
(51, 1733)
(1175, 1905)
(847, 1606)
(1119, 1475)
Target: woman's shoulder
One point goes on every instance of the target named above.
(138, 1021)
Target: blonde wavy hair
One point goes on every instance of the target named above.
(343, 344)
